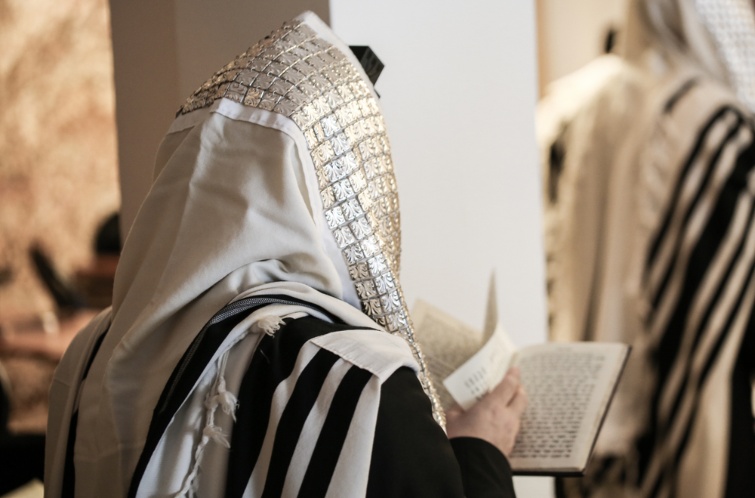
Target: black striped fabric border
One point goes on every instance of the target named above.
(716, 231)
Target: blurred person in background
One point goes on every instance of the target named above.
(651, 241)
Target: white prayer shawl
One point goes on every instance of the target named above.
(696, 241)
(625, 154)
(717, 37)
(608, 234)
(175, 458)
(251, 169)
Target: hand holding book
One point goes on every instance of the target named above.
(569, 385)
(497, 416)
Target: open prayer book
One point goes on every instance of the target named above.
(569, 385)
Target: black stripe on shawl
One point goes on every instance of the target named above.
(334, 431)
(696, 149)
(209, 339)
(68, 489)
(708, 365)
(69, 470)
(677, 96)
(699, 261)
(740, 478)
(291, 424)
(181, 382)
(716, 226)
(711, 360)
(193, 363)
(272, 363)
(723, 282)
(679, 452)
(699, 194)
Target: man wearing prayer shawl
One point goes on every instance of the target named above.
(235, 360)
(651, 241)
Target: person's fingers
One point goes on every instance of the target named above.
(520, 401)
(515, 372)
(454, 411)
(496, 418)
(508, 387)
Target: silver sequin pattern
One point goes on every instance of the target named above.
(295, 73)
(731, 24)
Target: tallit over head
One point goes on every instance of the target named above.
(276, 177)
(718, 36)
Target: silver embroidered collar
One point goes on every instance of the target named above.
(296, 73)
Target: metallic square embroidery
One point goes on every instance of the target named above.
(295, 73)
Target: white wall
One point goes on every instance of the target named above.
(458, 93)
(146, 75)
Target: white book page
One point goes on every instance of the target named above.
(446, 343)
(487, 367)
(491, 310)
(569, 386)
(483, 371)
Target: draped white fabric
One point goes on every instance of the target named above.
(647, 158)
(249, 168)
